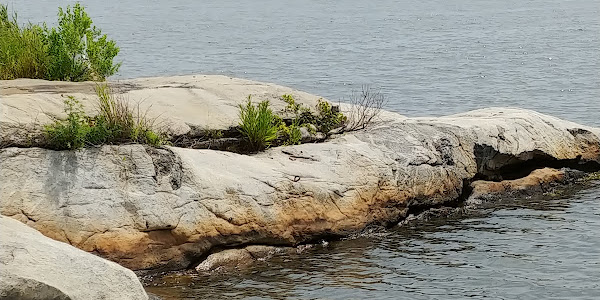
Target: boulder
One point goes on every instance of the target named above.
(36, 267)
(242, 257)
(167, 208)
(539, 181)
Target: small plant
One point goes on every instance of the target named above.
(71, 133)
(366, 105)
(302, 114)
(290, 135)
(213, 134)
(328, 118)
(126, 122)
(258, 124)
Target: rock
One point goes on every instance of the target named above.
(165, 209)
(225, 258)
(539, 181)
(309, 137)
(242, 257)
(36, 267)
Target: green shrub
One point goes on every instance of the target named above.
(115, 112)
(79, 51)
(258, 124)
(73, 51)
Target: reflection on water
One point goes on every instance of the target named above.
(535, 248)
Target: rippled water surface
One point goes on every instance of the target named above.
(431, 57)
(536, 248)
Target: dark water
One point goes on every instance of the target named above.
(430, 58)
(536, 248)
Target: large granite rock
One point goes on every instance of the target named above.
(33, 266)
(167, 208)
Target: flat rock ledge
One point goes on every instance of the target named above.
(169, 208)
(33, 266)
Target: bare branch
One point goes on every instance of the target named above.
(366, 105)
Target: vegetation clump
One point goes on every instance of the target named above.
(75, 50)
(325, 120)
(116, 122)
(258, 124)
(261, 128)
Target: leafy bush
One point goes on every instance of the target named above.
(116, 122)
(79, 51)
(73, 51)
(258, 124)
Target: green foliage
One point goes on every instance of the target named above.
(78, 50)
(328, 119)
(325, 120)
(71, 133)
(213, 134)
(74, 51)
(591, 177)
(23, 51)
(125, 122)
(290, 135)
(116, 122)
(303, 115)
(258, 124)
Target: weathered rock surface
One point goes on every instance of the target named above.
(167, 208)
(538, 182)
(33, 266)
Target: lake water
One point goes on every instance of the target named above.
(537, 248)
(429, 58)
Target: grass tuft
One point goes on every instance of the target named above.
(258, 124)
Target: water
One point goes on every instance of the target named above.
(429, 58)
(537, 248)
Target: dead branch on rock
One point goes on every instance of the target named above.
(365, 106)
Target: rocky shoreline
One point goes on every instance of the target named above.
(171, 208)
